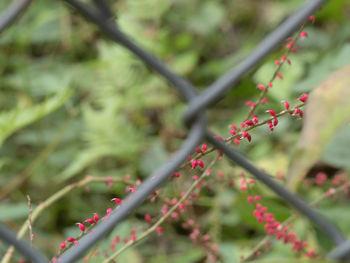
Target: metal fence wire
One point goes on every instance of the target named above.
(194, 118)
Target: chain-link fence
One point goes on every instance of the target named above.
(99, 13)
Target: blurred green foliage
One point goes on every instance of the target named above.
(74, 103)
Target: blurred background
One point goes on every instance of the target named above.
(73, 103)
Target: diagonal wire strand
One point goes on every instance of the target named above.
(9, 15)
(230, 79)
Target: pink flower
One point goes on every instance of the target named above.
(90, 221)
(63, 245)
(278, 75)
(257, 198)
(303, 98)
(198, 150)
(296, 111)
(246, 135)
(264, 100)
(159, 229)
(301, 113)
(96, 217)
(147, 218)
(255, 119)
(250, 103)
(117, 200)
(194, 164)
(321, 178)
(70, 239)
(204, 147)
(271, 127)
(81, 226)
(290, 44)
(311, 253)
(200, 163)
(260, 87)
(286, 104)
(272, 113)
(303, 34)
(249, 123)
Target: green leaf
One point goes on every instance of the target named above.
(13, 120)
(184, 63)
(317, 74)
(209, 16)
(155, 156)
(326, 111)
(229, 252)
(191, 255)
(319, 71)
(343, 57)
(13, 211)
(281, 88)
(337, 152)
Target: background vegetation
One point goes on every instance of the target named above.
(73, 103)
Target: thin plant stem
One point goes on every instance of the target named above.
(240, 131)
(153, 228)
(51, 200)
(263, 92)
(23, 176)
